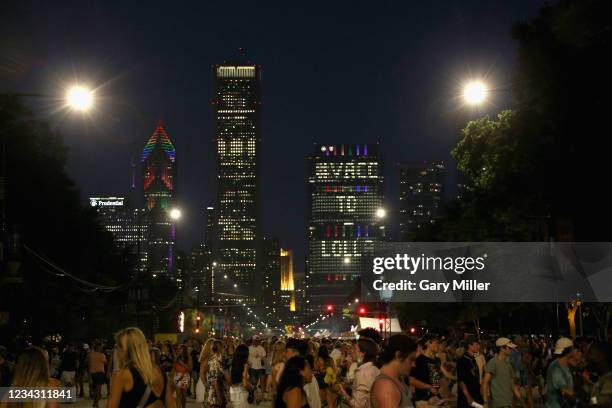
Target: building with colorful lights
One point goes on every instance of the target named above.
(237, 106)
(345, 184)
(159, 185)
(421, 196)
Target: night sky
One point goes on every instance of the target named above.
(333, 72)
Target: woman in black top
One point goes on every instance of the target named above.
(139, 383)
(290, 392)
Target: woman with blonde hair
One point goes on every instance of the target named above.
(139, 383)
(32, 371)
(277, 363)
(204, 357)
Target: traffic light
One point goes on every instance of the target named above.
(362, 311)
(412, 330)
(198, 321)
(330, 308)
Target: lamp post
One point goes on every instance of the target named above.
(475, 92)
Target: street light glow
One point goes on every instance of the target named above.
(175, 214)
(381, 213)
(79, 98)
(475, 92)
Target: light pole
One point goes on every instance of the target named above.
(475, 92)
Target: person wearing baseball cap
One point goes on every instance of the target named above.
(498, 385)
(559, 390)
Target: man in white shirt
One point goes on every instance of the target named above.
(296, 347)
(256, 369)
(336, 354)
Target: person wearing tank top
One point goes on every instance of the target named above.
(389, 389)
(139, 383)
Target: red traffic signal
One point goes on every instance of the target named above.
(412, 330)
(330, 308)
(362, 311)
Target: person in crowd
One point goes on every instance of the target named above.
(559, 391)
(599, 363)
(82, 369)
(6, 369)
(428, 371)
(365, 352)
(205, 355)
(32, 371)
(296, 347)
(499, 383)
(214, 376)
(336, 353)
(256, 362)
(325, 374)
(55, 362)
(239, 378)
(389, 389)
(68, 366)
(114, 364)
(167, 358)
(97, 369)
(181, 375)
(195, 359)
(139, 382)
(290, 391)
(468, 375)
(372, 334)
(277, 363)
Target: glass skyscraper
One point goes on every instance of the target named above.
(237, 106)
(346, 189)
(159, 185)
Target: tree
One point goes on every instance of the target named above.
(67, 258)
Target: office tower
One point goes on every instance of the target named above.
(127, 225)
(422, 186)
(287, 279)
(159, 184)
(346, 191)
(205, 261)
(237, 106)
(271, 271)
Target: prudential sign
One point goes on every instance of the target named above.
(106, 202)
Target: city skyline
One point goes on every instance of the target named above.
(404, 105)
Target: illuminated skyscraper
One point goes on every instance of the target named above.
(346, 190)
(287, 279)
(159, 178)
(237, 138)
(128, 226)
(421, 195)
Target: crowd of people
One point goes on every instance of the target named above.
(399, 372)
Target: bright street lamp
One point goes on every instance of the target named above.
(381, 213)
(475, 92)
(175, 214)
(79, 98)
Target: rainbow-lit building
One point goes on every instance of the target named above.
(159, 185)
